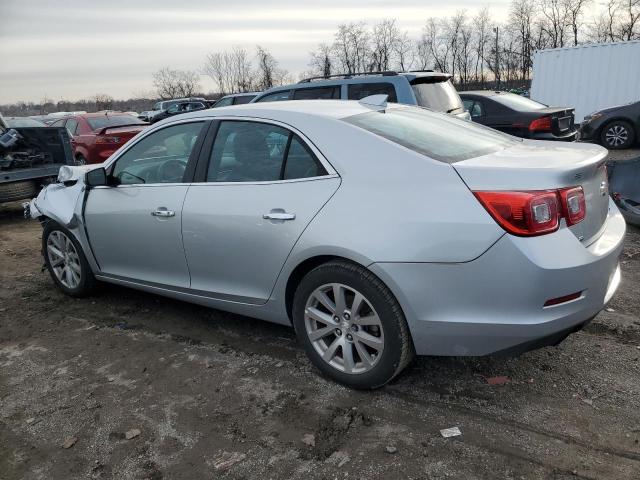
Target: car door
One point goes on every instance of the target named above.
(260, 186)
(134, 224)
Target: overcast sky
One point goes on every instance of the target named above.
(76, 48)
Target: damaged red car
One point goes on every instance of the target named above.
(95, 136)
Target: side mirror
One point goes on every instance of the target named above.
(96, 178)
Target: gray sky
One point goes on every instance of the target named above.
(75, 48)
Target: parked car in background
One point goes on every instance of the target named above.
(95, 136)
(21, 122)
(146, 115)
(614, 127)
(428, 89)
(30, 156)
(469, 242)
(235, 99)
(520, 116)
(176, 109)
(163, 105)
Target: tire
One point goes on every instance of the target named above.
(617, 135)
(77, 280)
(378, 351)
(80, 160)
(10, 192)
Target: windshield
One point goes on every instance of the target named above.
(439, 96)
(441, 137)
(518, 103)
(23, 123)
(113, 121)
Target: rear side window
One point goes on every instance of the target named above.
(439, 95)
(359, 91)
(441, 137)
(242, 99)
(473, 107)
(259, 152)
(223, 102)
(318, 93)
(275, 97)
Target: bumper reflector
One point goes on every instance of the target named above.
(564, 299)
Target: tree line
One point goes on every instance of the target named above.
(478, 51)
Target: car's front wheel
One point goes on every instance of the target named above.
(617, 135)
(351, 325)
(65, 261)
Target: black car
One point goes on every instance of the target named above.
(520, 116)
(614, 128)
(182, 107)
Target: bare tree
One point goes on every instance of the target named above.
(521, 18)
(481, 23)
(554, 14)
(384, 39)
(629, 19)
(230, 70)
(351, 47)
(175, 83)
(103, 101)
(574, 13)
(404, 51)
(321, 61)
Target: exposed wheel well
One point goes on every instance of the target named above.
(300, 271)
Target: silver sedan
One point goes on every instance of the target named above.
(378, 231)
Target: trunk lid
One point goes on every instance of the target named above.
(562, 119)
(538, 165)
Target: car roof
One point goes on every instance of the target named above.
(282, 111)
(485, 93)
(359, 78)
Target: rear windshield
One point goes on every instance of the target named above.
(440, 96)
(518, 103)
(438, 136)
(113, 121)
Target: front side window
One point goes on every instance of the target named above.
(275, 97)
(359, 91)
(318, 93)
(259, 152)
(441, 137)
(224, 102)
(160, 157)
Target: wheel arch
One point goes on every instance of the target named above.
(618, 118)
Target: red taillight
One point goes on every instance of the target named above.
(542, 124)
(532, 213)
(107, 140)
(523, 213)
(573, 205)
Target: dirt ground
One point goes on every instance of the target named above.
(139, 386)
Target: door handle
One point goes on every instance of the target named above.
(279, 216)
(163, 212)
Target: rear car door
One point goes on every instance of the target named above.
(134, 225)
(260, 186)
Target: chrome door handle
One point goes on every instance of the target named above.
(163, 212)
(279, 216)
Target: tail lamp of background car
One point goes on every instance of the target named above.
(532, 213)
(107, 140)
(542, 124)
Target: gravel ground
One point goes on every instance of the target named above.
(128, 385)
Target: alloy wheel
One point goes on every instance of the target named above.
(64, 259)
(616, 135)
(344, 328)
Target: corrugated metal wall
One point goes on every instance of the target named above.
(587, 77)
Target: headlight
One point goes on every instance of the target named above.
(65, 174)
(592, 117)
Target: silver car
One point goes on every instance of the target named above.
(378, 231)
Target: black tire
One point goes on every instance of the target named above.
(398, 348)
(87, 282)
(617, 135)
(10, 192)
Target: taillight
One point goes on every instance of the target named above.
(542, 124)
(531, 213)
(107, 140)
(523, 213)
(573, 205)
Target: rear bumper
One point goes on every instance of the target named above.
(495, 303)
(571, 136)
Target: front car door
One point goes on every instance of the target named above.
(260, 187)
(134, 224)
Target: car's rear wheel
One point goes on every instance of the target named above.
(617, 135)
(351, 325)
(66, 262)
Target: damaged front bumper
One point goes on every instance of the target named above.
(31, 210)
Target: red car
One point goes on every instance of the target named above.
(95, 136)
